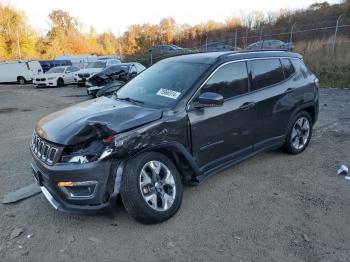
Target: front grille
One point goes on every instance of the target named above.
(40, 79)
(44, 150)
(83, 75)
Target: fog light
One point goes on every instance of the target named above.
(85, 189)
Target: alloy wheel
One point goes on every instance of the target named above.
(300, 133)
(157, 185)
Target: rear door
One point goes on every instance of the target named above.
(221, 134)
(275, 100)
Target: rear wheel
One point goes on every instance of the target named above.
(299, 134)
(21, 80)
(151, 188)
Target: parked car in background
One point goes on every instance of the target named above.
(271, 44)
(20, 72)
(105, 90)
(217, 47)
(79, 60)
(182, 120)
(159, 50)
(119, 73)
(46, 65)
(94, 68)
(56, 76)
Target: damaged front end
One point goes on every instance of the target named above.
(76, 156)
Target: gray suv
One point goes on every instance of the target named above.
(180, 121)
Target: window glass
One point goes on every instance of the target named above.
(288, 68)
(163, 83)
(265, 72)
(56, 70)
(229, 81)
(300, 67)
(97, 64)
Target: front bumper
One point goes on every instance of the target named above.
(79, 80)
(45, 83)
(93, 90)
(103, 172)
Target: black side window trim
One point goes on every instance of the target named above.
(192, 98)
(270, 86)
(213, 73)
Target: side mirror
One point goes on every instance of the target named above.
(210, 99)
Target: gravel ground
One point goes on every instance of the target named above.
(273, 207)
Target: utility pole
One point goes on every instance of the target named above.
(261, 32)
(206, 44)
(336, 31)
(236, 39)
(291, 35)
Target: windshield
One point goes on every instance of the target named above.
(163, 83)
(56, 70)
(98, 64)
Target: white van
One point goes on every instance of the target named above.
(19, 71)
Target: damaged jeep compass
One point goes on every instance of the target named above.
(178, 122)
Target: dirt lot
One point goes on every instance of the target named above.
(273, 207)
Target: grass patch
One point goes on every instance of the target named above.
(331, 67)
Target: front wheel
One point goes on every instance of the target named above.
(60, 82)
(151, 188)
(299, 133)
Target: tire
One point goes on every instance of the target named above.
(299, 133)
(21, 80)
(135, 188)
(60, 82)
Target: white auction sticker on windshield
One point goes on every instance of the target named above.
(168, 93)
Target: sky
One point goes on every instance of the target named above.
(116, 15)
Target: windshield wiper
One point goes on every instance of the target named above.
(130, 100)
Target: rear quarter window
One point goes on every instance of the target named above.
(301, 67)
(288, 67)
(265, 72)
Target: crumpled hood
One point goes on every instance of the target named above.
(93, 119)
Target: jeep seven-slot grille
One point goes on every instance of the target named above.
(43, 150)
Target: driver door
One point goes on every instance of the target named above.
(224, 133)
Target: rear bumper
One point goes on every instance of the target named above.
(100, 200)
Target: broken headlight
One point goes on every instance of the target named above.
(85, 153)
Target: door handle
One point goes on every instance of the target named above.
(247, 105)
(289, 90)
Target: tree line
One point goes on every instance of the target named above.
(18, 40)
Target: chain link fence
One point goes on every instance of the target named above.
(329, 32)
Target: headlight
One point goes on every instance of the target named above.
(93, 151)
(51, 78)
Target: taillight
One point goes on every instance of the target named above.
(317, 82)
